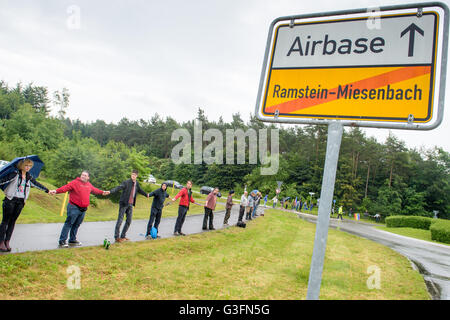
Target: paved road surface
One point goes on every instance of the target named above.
(44, 236)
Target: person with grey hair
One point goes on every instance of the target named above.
(243, 205)
(250, 204)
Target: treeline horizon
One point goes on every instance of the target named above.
(387, 178)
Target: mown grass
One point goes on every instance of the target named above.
(269, 259)
(44, 208)
(412, 233)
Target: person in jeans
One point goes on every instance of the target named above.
(186, 198)
(160, 195)
(228, 207)
(256, 204)
(243, 205)
(79, 193)
(130, 188)
(275, 200)
(16, 194)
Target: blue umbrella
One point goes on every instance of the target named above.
(12, 167)
(254, 191)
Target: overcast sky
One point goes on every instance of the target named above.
(136, 58)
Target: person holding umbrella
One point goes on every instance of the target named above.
(79, 190)
(16, 185)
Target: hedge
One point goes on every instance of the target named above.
(440, 230)
(409, 222)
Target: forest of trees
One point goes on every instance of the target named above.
(387, 178)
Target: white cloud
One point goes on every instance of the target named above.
(137, 58)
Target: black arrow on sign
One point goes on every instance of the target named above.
(412, 31)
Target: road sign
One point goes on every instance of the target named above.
(381, 68)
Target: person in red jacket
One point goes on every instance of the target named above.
(79, 192)
(186, 198)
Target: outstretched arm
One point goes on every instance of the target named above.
(118, 188)
(36, 184)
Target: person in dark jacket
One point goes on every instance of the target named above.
(160, 195)
(16, 194)
(130, 188)
(228, 207)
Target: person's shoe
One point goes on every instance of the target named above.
(182, 234)
(148, 237)
(176, 234)
(212, 228)
(75, 243)
(63, 244)
(8, 248)
(204, 228)
(125, 239)
(226, 224)
(119, 240)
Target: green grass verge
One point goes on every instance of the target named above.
(269, 259)
(412, 233)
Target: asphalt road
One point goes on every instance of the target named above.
(44, 236)
(432, 260)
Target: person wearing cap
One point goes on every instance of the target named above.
(160, 195)
(228, 207)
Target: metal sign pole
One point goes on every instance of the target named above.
(335, 130)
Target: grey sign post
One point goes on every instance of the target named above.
(299, 48)
(326, 197)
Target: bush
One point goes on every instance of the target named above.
(408, 222)
(440, 230)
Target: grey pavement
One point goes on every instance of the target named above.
(432, 260)
(44, 236)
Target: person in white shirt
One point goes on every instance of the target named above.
(243, 204)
